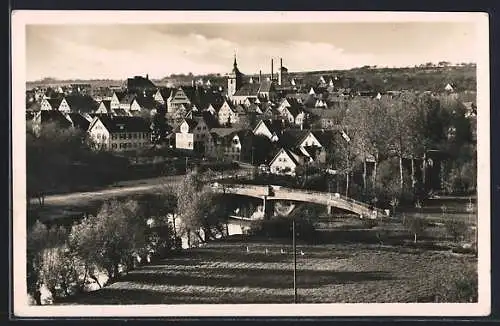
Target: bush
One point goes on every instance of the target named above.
(281, 227)
(463, 289)
(415, 225)
(456, 229)
(369, 223)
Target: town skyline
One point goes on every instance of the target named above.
(160, 50)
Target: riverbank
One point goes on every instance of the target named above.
(228, 272)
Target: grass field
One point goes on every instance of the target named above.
(224, 272)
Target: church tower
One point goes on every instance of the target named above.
(234, 80)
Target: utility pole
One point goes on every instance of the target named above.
(294, 263)
(186, 164)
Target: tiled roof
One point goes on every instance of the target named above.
(224, 132)
(54, 116)
(81, 103)
(322, 113)
(107, 105)
(55, 102)
(291, 138)
(127, 99)
(79, 121)
(146, 102)
(124, 124)
(210, 120)
(138, 82)
(274, 126)
(120, 112)
(265, 86)
(295, 110)
(248, 90)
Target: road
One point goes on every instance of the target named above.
(119, 190)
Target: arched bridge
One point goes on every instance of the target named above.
(302, 195)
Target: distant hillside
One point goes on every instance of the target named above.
(58, 82)
(421, 78)
(384, 79)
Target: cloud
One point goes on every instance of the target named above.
(121, 51)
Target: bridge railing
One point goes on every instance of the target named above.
(336, 195)
(267, 189)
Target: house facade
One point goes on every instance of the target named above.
(120, 133)
(194, 134)
(284, 163)
(227, 114)
(59, 104)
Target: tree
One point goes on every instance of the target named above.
(36, 238)
(416, 225)
(456, 228)
(111, 237)
(198, 207)
(40, 242)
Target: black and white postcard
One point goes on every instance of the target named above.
(189, 163)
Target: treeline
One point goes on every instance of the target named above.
(392, 146)
(122, 235)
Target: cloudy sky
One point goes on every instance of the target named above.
(119, 51)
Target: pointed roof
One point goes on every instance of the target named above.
(78, 121)
(236, 72)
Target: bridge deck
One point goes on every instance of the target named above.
(284, 193)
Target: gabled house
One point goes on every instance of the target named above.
(59, 104)
(271, 129)
(116, 99)
(288, 102)
(104, 107)
(177, 100)
(129, 103)
(285, 162)
(79, 121)
(323, 118)
(227, 114)
(449, 88)
(44, 117)
(236, 145)
(162, 94)
(81, 103)
(294, 115)
(193, 134)
(119, 133)
(303, 143)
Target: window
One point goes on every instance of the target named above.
(122, 136)
(121, 145)
(134, 136)
(129, 136)
(113, 136)
(114, 146)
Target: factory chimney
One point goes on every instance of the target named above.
(260, 76)
(272, 72)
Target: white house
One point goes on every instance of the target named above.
(120, 133)
(193, 134)
(264, 128)
(59, 104)
(227, 114)
(177, 99)
(448, 88)
(285, 162)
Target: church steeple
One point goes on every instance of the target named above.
(235, 78)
